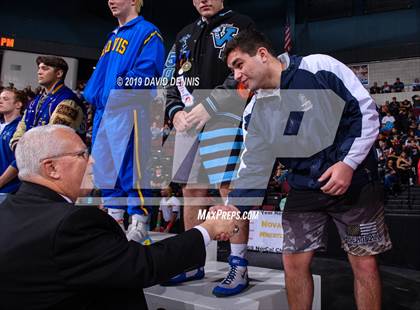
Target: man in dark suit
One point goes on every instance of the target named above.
(55, 255)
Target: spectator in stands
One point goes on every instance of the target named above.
(158, 178)
(413, 148)
(412, 120)
(57, 104)
(166, 130)
(169, 212)
(404, 167)
(398, 86)
(416, 85)
(416, 106)
(375, 89)
(388, 122)
(386, 88)
(391, 140)
(390, 177)
(405, 105)
(12, 105)
(402, 139)
(403, 120)
(397, 144)
(411, 132)
(156, 131)
(380, 151)
(278, 178)
(394, 106)
(394, 132)
(383, 110)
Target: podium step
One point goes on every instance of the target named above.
(266, 291)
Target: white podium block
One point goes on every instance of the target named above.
(158, 236)
(211, 249)
(266, 291)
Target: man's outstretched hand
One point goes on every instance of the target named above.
(221, 222)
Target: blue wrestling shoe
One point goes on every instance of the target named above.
(236, 280)
(196, 274)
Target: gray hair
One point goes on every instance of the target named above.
(37, 144)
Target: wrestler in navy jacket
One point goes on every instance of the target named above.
(352, 142)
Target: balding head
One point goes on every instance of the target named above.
(53, 156)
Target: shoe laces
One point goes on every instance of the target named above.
(137, 225)
(231, 275)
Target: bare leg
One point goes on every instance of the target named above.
(299, 282)
(367, 282)
(237, 278)
(224, 191)
(194, 200)
(242, 236)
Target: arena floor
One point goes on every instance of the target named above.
(401, 287)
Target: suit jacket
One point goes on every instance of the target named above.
(54, 255)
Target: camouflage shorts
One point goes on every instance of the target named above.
(358, 215)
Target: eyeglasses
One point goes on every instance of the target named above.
(82, 154)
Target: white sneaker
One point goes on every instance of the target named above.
(138, 231)
(118, 216)
(236, 280)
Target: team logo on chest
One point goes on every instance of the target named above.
(184, 43)
(222, 35)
